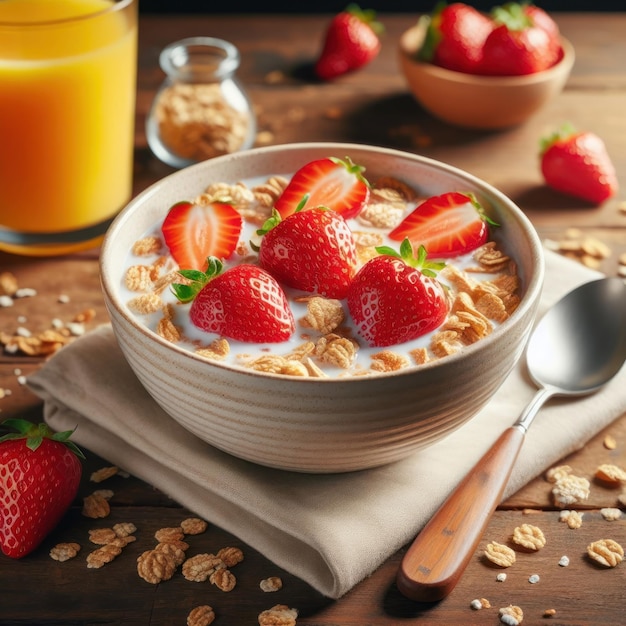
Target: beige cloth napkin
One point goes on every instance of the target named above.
(330, 530)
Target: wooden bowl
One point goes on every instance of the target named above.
(481, 102)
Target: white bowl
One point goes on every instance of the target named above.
(320, 424)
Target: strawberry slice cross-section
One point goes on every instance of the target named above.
(193, 232)
(337, 184)
(448, 225)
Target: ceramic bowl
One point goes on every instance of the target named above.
(480, 102)
(320, 425)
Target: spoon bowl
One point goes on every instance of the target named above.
(576, 348)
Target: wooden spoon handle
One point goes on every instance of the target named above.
(436, 559)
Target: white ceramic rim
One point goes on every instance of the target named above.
(531, 295)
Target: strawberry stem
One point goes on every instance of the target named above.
(417, 260)
(34, 434)
(196, 280)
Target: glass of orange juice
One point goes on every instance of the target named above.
(67, 113)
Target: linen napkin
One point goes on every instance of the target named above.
(329, 530)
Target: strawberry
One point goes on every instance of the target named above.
(577, 164)
(333, 183)
(244, 302)
(39, 476)
(447, 225)
(193, 232)
(310, 250)
(517, 45)
(351, 42)
(455, 37)
(396, 298)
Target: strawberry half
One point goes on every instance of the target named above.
(333, 183)
(351, 42)
(396, 298)
(578, 164)
(310, 250)
(39, 477)
(447, 225)
(193, 232)
(244, 303)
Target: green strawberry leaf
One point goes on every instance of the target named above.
(34, 434)
(417, 260)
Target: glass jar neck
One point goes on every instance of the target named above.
(200, 59)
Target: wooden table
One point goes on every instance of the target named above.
(371, 106)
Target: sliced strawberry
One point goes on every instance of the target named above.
(244, 302)
(193, 232)
(447, 225)
(332, 183)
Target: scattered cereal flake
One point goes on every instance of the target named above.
(145, 304)
(155, 566)
(549, 613)
(511, 615)
(102, 536)
(271, 584)
(533, 579)
(174, 551)
(103, 555)
(103, 473)
(95, 506)
(476, 604)
(570, 489)
(501, 577)
(612, 474)
(124, 529)
(610, 443)
(147, 246)
(193, 526)
(556, 473)
(230, 556)
(564, 561)
(201, 616)
(217, 350)
(223, 579)
(174, 533)
(323, 315)
(6, 301)
(611, 514)
(500, 554)
(25, 292)
(336, 350)
(573, 519)
(278, 615)
(607, 552)
(64, 551)
(199, 567)
(388, 361)
(8, 283)
(529, 537)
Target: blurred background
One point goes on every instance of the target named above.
(334, 6)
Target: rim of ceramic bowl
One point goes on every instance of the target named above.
(411, 39)
(110, 284)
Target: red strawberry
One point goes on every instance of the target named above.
(543, 20)
(577, 164)
(517, 46)
(455, 37)
(447, 225)
(193, 232)
(244, 303)
(351, 42)
(396, 298)
(332, 183)
(39, 477)
(310, 250)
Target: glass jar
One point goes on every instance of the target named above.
(201, 110)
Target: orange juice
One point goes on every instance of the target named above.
(67, 110)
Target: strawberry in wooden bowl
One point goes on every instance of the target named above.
(319, 323)
(485, 71)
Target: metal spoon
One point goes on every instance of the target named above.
(577, 347)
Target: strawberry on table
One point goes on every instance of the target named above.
(455, 37)
(518, 45)
(39, 477)
(336, 184)
(578, 164)
(448, 225)
(312, 250)
(351, 42)
(396, 298)
(243, 302)
(194, 232)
